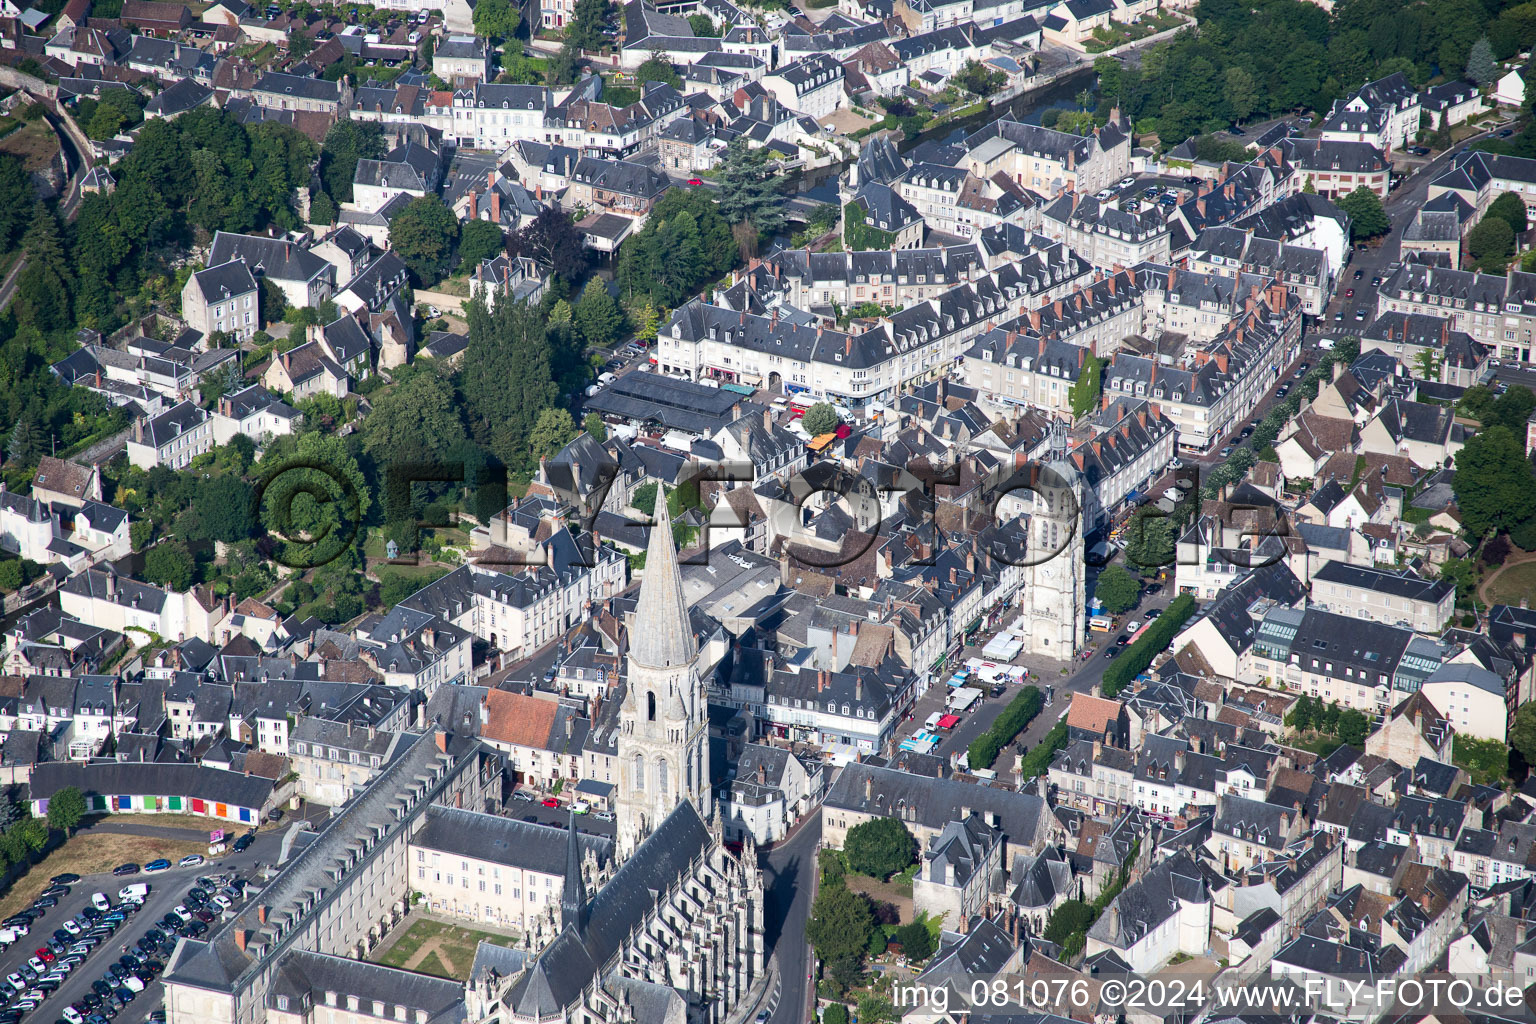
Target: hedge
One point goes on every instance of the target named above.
(1012, 721)
(1038, 761)
(1140, 654)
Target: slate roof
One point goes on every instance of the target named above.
(510, 841)
(569, 963)
(190, 780)
(224, 281)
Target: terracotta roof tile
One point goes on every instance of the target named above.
(518, 719)
(1092, 714)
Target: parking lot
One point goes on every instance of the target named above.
(528, 805)
(168, 889)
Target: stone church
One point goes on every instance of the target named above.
(677, 933)
(1054, 604)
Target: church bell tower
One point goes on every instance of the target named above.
(663, 742)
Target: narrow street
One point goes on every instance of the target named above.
(789, 877)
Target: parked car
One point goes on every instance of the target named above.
(125, 869)
(191, 860)
(244, 842)
(550, 801)
(157, 865)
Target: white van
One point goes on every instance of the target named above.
(133, 984)
(136, 891)
(100, 902)
(933, 721)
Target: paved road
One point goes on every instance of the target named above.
(790, 874)
(167, 888)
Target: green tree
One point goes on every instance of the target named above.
(1242, 92)
(65, 809)
(820, 418)
(15, 200)
(702, 25)
(274, 303)
(479, 240)
(345, 143)
(749, 193)
(1150, 540)
(593, 424)
(497, 19)
(1512, 409)
(658, 69)
(975, 77)
(1084, 393)
(596, 315)
(1368, 218)
(562, 66)
(1303, 714)
(552, 241)
(835, 1013)
(1477, 403)
(1070, 917)
(1354, 727)
(648, 320)
(1522, 732)
(170, 564)
(1493, 484)
(916, 941)
(224, 509)
(415, 421)
(1490, 244)
(1510, 208)
(314, 497)
(879, 847)
(24, 446)
(585, 29)
(1481, 67)
(1111, 76)
(507, 379)
(424, 234)
(840, 923)
(1117, 590)
(553, 431)
(1075, 122)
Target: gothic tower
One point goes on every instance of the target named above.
(1054, 603)
(573, 898)
(663, 742)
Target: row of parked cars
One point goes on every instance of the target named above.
(73, 942)
(68, 949)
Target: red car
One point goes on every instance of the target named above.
(46, 955)
(695, 181)
(1349, 293)
(550, 801)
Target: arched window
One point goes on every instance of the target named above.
(639, 773)
(650, 706)
(661, 776)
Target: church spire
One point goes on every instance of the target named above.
(659, 635)
(573, 901)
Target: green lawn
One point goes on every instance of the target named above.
(1514, 583)
(435, 947)
(1320, 745)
